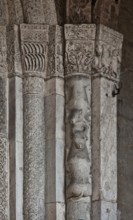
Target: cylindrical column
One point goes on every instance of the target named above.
(4, 146)
(34, 47)
(79, 54)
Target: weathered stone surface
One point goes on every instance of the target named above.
(105, 88)
(16, 147)
(106, 12)
(54, 117)
(55, 211)
(4, 145)
(54, 86)
(78, 12)
(125, 115)
(107, 53)
(55, 171)
(79, 57)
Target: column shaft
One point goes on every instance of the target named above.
(4, 146)
(79, 50)
(34, 40)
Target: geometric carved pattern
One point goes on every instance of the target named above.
(34, 45)
(34, 56)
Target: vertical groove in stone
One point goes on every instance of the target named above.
(34, 39)
(105, 88)
(15, 123)
(4, 147)
(80, 41)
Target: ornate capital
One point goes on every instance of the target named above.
(108, 49)
(80, 43)
(34, 44)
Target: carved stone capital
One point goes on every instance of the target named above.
(80, 44)
(108, 51)
(34, 45)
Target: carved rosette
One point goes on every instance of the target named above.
(4, 146)
(108, 52)
(79, 56)
(34, 43)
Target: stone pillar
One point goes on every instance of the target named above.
(105, 88)
(34, 43)
(55, 132)
(80, 43)
(15, 123)
(4, 147)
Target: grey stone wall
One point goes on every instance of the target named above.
(125, 115)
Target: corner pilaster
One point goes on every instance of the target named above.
(105, 88)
